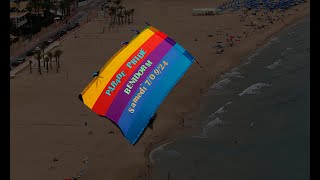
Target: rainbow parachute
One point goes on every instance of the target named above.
(132, 84)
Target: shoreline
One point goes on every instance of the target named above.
(182, 134)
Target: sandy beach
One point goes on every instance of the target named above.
(48, 135)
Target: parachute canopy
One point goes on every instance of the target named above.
(132, 84)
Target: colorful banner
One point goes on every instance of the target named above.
(131, 86)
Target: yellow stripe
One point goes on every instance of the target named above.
(92, 92)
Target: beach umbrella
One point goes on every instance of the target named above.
(132, 84)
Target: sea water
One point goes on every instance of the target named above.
(255, 122)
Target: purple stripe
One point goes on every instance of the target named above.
(171, 41)
(121, 100)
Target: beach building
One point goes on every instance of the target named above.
(18, 6)
(18, 19)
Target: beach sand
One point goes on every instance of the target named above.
(49, 139)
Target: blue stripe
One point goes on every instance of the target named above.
(133, 124)
(171, 41)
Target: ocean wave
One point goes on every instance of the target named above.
(232, 74)
(254, 89)
(211, 124)
(203, 135)
(253, 55)
(275, 64)
(221, 83)
(152, 155)
(275, 39)
(220, 110)
(216, 121)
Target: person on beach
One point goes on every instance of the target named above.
(220, 51)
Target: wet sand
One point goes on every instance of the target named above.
(49, 138)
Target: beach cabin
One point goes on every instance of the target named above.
(204, 12)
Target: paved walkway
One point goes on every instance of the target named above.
(23, 65)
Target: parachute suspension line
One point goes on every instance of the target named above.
(136, 31)
(125, 43)
(198, 63)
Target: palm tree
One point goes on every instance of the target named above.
(50, 55)
(38, 58)
(47, 5)
(126, 14)
(47, 62)
(68, 6)
(62, 6)
(57, 55)
(37, 5)
(112, 14)
(43, 47)
(30, 66)
(119, 17)
(120, 14)
(117, 3)
(131, 13)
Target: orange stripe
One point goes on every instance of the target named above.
(104, 101)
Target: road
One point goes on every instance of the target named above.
(81, 15)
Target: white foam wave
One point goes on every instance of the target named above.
(232, 74)
(253, 55)
(203, 135)
(156, 150)
(220, 110)
(275, 38)
(275, 64)
(216, 121)
(219, 84)
(254, 89)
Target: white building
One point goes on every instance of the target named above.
(18, 19)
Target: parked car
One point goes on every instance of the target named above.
(21, 59)
(48, 42)
(76, 24)
(15, 63)
(70, 27)
(63, 32)
(56, 36)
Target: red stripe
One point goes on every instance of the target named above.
(104, 101)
